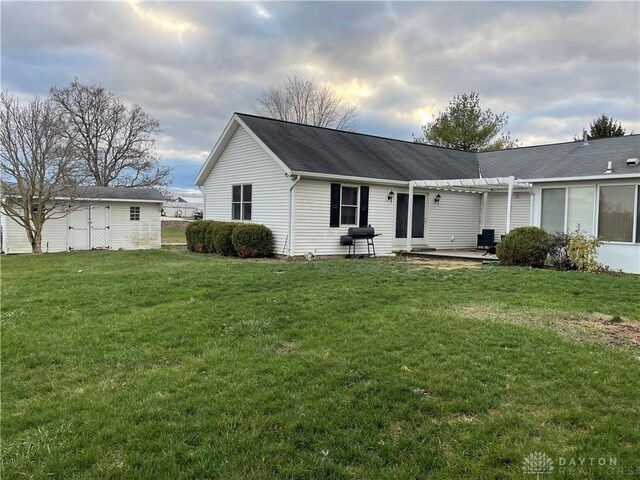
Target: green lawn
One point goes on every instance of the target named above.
(173, 231)
(166, 364)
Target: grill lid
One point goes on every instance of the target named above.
(362, 232)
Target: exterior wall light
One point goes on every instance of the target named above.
(437, 199)
(390, 196)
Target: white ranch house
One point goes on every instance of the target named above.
(100, 218)
(310, 184)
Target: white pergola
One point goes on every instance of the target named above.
(470, 185)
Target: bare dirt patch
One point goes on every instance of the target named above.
(592, 327)
(176, 223)
(287, 348)
(442, 263)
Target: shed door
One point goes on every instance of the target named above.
(99, 226)
(78, 228)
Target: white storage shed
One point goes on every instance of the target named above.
(103, 218)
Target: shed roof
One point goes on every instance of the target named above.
(94, 192)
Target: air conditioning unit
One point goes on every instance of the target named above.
(632, 162)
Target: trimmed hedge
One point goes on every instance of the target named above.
(251, 240)
(209, 233)
(196, 236)
(526, 246)
(222, 242)
(246, 240)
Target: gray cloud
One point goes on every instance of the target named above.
(552, 66)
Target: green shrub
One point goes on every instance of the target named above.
(196, 236)
(526, 246)
(252, 240)
(222, 239)
(558, 252)
(583, 251)
(209, 233)
(574, 251)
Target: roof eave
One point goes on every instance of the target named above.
(347, 178)
(602, 176)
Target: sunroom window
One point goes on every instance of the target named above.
(553, 209)
(580, 209)
(616, 212)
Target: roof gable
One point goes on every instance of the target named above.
(228, 133)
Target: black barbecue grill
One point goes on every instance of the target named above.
(359, 233)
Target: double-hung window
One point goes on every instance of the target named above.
(241, 199)
(349, 205)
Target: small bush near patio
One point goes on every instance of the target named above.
(583, 252)
(524, 246)
(222, 239)
(574, 251)
(558, 252)
(252, 240)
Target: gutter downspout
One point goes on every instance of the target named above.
(290, 226)
(204, 202)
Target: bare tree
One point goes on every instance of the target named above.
(300, 99)
(36, 164)
(115, 141)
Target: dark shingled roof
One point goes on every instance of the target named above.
(306, 148)
(120, 193)
(572, 159)
(106, 193)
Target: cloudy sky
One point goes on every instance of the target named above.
(551, 66)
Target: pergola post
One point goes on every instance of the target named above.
(485, 204)
(509, 203)
(409, 217)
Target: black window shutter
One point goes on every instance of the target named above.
(364, 206)
(334, 220)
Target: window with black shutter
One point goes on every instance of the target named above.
(349, 206)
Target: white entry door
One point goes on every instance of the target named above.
(99, 226)
(78, 227)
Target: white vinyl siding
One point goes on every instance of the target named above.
(455, 221)
(312, 205)
(496, 215)
(135, 235)
(244, 161)
(54, 236)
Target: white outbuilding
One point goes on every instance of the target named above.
(102, 218)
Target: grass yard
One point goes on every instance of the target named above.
(173, 231)
(166, 364)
